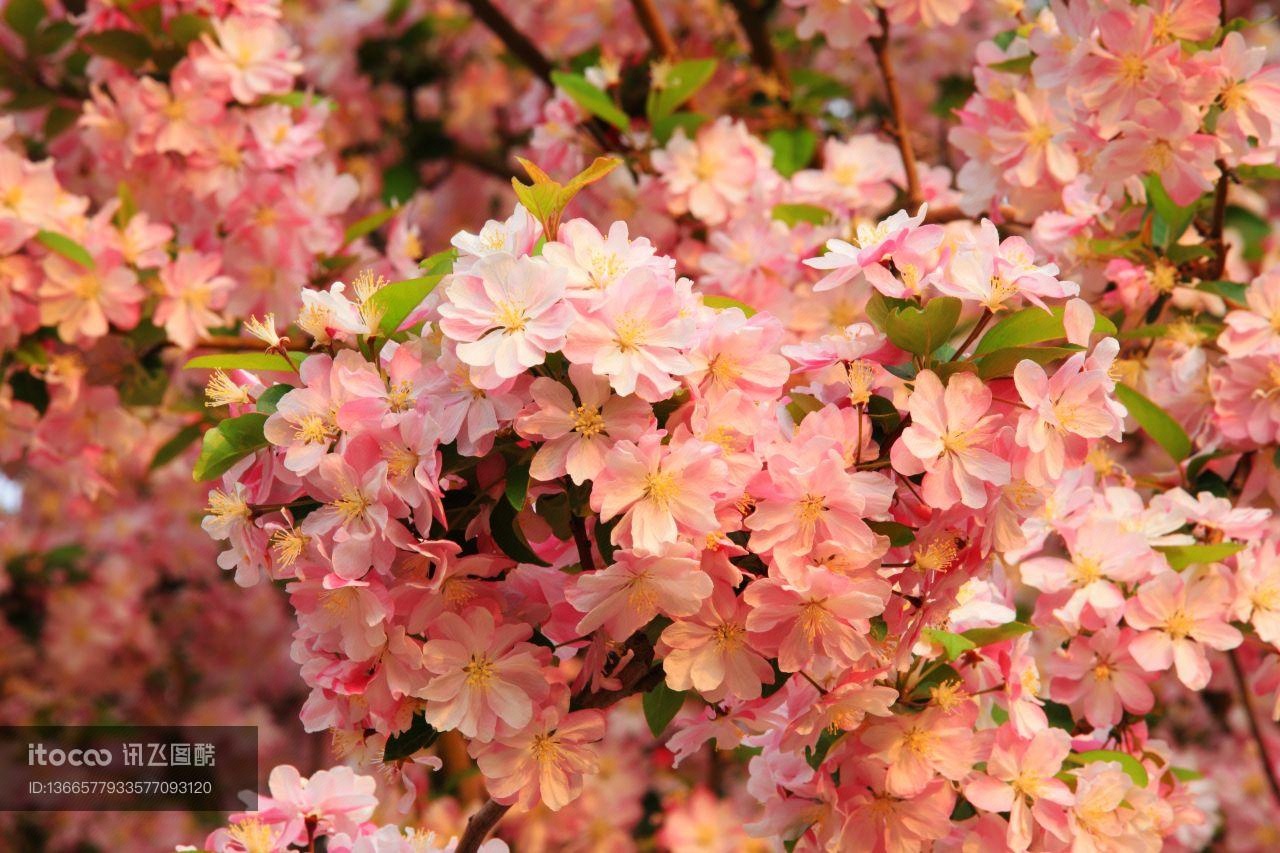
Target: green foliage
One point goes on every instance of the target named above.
(899, 534)
(245, 361)
(661, 704)
(367, 225)
(1032, 326)
(664, 128)
(399, 299)
(792, 214)
(546, 198)
(129, 48)
(680, 84)
(721, 303)
(1002, 362)
(792, 149)
(419, 736)
(228, 443)
(505, 529)
(1182, 556)
(921, 330)
(1155, 422)
(591, 99)
(1132, 766)
(173, 448)
(270, 398)
(66, 247)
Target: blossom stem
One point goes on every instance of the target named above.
(654, 28)
(973, 335)
(578, 525)
(1251, 712)
(480, 825)
(1218, 223)
(751, 17)
(880, 44)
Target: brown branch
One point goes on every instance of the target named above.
(514, 40)
(578, 525)
(1251, 712)
(880, 44)
(653, 27)
(1218, 225)
(480, 825)
(753, 20)
(638, 676)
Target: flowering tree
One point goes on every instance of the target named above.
(725, 475)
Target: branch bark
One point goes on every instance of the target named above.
(880, 44)
(651, 22)
(480, 825)
(753, 20)
(1251, 712)
(514, 40)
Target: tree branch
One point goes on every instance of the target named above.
(480, 825)
(578, 525)
(1251, 712)
(1218, 224)
(753, 20)
(653, 27)
(880, 44)
(514, 40)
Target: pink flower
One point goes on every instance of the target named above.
(842, 23)
(578, 433)
(805, 497)
(1102, 556)
(357, 509)
(1255, 331)
(336, 800)
(660, 490)
(180, 111)
(638, 586)
(710, 652)
(823, 616)
(251, 55)
(1178, 619)
(1098, 675)
(485, 680)
(870, 817)
(193, 295)
(858, 173)
(82, 302)
(544, 761)
(737, 352)
(712, 176)
(1021, 779)
(506, 313)
(920, 747)
(1258, 589)
(945, 441)
(992, 273)
(1250, 95)
(900, 234)
(594, 262)
(635, 335)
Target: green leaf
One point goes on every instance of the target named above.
(24, 16)
(399, 299)
(720, 303)
(665, 128)
(1171, 219)
(173, 448)
(792, 149)
(441, 263)
(419, 736)
(1003, 361)
(186, 28)
(988, 636)
(1017, 65)
(1182, 556)
(505, 528)
(269, 399)
(1155, 422)
(953, 644)
(1128, 763)
(546, 198)
(126, 47)
(682, 81)
(1254, 229)
(244, 361)
(591, 99)
(802, 405)
(228, 443)
(1232, 291)
(1261, 172)
(899, 534)
(883, 413)
(1032, 326)
(368, 225)
(792, 214)
(65, 246)
(1005, 38)
(923, 330)
(661, 704)
(517, 485)
(1185, 774)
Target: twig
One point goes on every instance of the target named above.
(880, 44)
(764, 56)
(1251, 712)
(977, 330)
(480, 825)
(653, 27)
(1218, 224)
(516, 42)
(578, 525)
